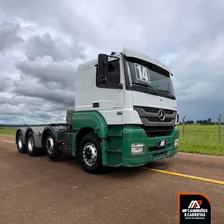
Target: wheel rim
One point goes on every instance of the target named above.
(50, 144)
(30, 144)
(20, 141)
(90, 154)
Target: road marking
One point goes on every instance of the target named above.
(188, 176)
(8, 141)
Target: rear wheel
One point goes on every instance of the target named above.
(51, 147)
(30, 143)
(90, 154)
(19, 142)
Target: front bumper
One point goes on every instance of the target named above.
(138, 135)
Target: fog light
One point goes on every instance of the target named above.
(137, 148)
(176, 143)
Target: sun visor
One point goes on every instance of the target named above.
(132, 53)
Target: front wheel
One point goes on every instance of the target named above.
(90, 152)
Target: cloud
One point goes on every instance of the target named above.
(5, 83)
(31, 110)
(36, 90)
(9, 35)
(57, 49)
(42, 43)
(46, 71)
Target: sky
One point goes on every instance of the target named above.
(43, 42)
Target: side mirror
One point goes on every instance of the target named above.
(177, 119)
(103, 68)
(102, 65)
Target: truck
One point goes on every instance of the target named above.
(125, 114)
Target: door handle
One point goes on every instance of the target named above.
(96, 104)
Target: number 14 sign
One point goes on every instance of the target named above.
(142, 73)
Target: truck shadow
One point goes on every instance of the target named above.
(120, 172)
(126, 172)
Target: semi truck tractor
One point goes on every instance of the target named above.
(125, 114)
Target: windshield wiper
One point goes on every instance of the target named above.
(170, 94)
(145, 85)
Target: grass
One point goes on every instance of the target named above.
(7, 131)
(201, 139)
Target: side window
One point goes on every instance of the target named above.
(113, 75)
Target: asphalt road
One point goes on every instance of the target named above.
(36, 190)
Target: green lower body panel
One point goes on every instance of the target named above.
(118, 151)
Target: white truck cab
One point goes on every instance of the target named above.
(133, 81)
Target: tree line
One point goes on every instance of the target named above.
(203, 122)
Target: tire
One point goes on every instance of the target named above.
(19, 142)
(90, 154)
(50, 146)
(30, 145)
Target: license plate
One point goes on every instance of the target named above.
(162, 143)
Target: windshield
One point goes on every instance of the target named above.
(149, 78)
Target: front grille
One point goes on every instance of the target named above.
(151, 122)
(150, 116)
(157, 131)
(154, 110)
(156, 119)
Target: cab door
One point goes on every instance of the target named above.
(109, 96)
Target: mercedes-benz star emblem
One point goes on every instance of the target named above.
(162, 115)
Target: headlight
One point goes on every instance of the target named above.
(137, 148)
(176, 143)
